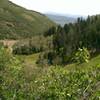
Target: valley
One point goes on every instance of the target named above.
(62, 19)
(48, 57)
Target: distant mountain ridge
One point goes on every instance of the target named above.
(18, 22)
(61, 19)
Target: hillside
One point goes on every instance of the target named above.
(23, 80)
(61, 19)
(18, 22)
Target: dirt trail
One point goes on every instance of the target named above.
(9, 43)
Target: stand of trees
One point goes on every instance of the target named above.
(34, 45)
(68, 39)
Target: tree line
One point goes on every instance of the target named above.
(85, 33)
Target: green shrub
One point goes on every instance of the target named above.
(60, 84)
(25, 49)
(10, 73)
(82, 55)
(55, 83)
(4, 57)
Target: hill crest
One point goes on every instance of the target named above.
(18, 22)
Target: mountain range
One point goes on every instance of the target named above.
(62, 19)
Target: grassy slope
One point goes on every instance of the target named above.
(93, 62)
(30, 63)
(31, 59)
(83, 71)
(16, 22)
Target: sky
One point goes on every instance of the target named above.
(74, 7)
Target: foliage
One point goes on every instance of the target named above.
(34, 45)
(25, 49)
(52, 83)
(83, 33)
(50, 32)
(9, 72)
(60, 84)
(56, 83)
(82, 55)
(4, 57)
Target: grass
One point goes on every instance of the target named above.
(30, 64)
(29, 60)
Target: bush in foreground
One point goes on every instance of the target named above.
(55, 83)
(82, 55)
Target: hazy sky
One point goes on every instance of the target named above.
(75, 7)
